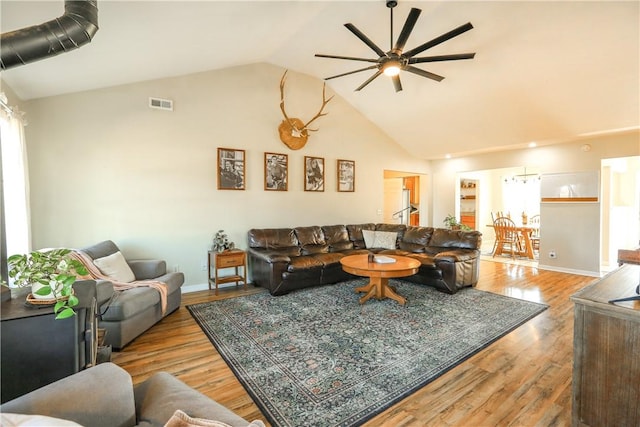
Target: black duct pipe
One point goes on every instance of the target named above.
(75, 28)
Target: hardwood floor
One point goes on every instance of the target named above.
(523, 379)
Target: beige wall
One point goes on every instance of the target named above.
(105, 166)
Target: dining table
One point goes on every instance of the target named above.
(526, 231)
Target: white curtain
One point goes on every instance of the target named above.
(15, 181)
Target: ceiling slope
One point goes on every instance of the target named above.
(544, 71)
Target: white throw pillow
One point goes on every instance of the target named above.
(22, 420)
(379, 239)
(181, 419)
(115, 267)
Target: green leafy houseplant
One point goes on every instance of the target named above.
(221, 242)
(54, 270)
(452, 223)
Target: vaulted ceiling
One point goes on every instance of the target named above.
(544, 71)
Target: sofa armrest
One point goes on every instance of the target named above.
(104, 289)
(457, 255)
(162, 394)
(267, 268)
(269, 256)
(145, 269)
(101, 396)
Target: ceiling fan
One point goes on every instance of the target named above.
(392, 62)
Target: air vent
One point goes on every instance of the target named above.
(161, 104)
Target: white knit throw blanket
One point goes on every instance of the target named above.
(96, 274)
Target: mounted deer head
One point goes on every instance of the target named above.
(293, 132)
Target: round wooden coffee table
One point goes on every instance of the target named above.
(379, 275)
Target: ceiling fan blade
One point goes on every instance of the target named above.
(369, 80)
(442, 58)
(396, 83)
(441, 39)
(406, 29)
(352, 72)
(423, 73)
(359, 34)
(352, 58)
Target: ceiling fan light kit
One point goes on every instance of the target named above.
(395, 60)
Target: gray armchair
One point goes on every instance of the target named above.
(125, 314)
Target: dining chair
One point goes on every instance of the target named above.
(507, 237)
(535, 234)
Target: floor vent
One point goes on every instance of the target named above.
(162, 104)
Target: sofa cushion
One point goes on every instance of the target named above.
(282, 240)
(311, 240)
(329, 258)
(131, 302)
(444, 238)
(380, 239)
(355, 234)
(415, 239)
(337, 237)
(304, 263)
(145, 269)
(100, 250)
(115, 267)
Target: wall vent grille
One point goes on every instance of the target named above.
(161, 104)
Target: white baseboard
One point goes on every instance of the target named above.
(570, 270)
(195, 288)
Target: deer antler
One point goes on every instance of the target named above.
(320, 113)
(282, 80)
(305, 127)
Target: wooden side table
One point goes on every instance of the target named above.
(234, 258)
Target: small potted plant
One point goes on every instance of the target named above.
(221, 242)
(51, 275)
(452, 223)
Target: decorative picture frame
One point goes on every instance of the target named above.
(313, 173)
(276, 172)
(346, 174)
(231, 169)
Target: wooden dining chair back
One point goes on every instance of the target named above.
(508, 237)
(496, 215)
(535, 233)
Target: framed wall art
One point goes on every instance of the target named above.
(313, 173)
(346, 175)
(276, 172)
(231, 169)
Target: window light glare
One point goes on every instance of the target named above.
(532, 145)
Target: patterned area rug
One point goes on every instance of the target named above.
(316, 357)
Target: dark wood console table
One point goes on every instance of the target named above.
(606, 352)
(37, 349)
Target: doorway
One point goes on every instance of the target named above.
(620, 208)
(403, 192)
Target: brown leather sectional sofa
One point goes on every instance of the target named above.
(285, 259)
